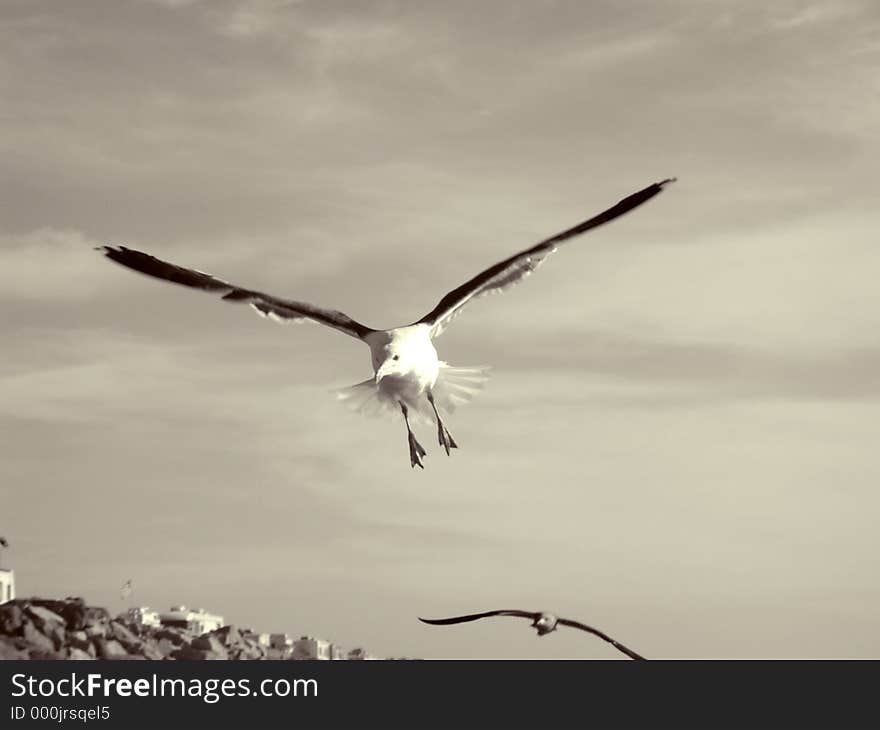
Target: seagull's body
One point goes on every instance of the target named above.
(544, 623)
(408, 376)
(413, 346)
(406, 369)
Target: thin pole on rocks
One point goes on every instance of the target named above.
(125, 592)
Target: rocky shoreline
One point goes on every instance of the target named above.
(40, 628)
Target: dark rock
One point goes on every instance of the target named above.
(43, 616)
(109, 648)
(123, 635)
(132, 626)
(247, 653)
(37, 639)
(150, 651)
(166, 647)
(139, 647)
(71, 610)
(78, 640)
(74, 653)
(95, 615)
(11, 649)
(11, 618)
(56, 633)
(189, 652)
(76, 614)
(41, 654)
(175, 637)
(228, 635)
(214, 656)
(209, 642)
(186, 652)
(48, 622)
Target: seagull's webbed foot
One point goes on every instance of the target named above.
(443, 435)
(445, 438)
(416, 452)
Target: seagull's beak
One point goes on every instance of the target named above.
(384, 370)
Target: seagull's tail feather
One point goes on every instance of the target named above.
(456, 386)
(366, 399)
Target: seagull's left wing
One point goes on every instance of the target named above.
(601, 634)
(264, 304)
(513, 269)
(476, 616)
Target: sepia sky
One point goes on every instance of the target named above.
(679, 441)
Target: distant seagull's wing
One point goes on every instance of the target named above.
(282, 310)
(601, 634)
(520, 265)
(476, 616)
(3, 542)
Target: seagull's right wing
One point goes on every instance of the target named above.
(514, 269)
(264, 304)
(601, 634)
(476, 616)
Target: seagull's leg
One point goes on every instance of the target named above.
(443, 435)
(416, 452)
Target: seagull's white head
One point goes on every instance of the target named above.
(395, 363)
(545, 623)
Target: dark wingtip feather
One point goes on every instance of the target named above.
(448, 621)
(111, 251)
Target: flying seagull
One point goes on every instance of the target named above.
(125, 590)
(407, 374)
(544, 622)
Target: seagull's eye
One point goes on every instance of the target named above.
(396, 357)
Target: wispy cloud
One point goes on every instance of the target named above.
(802, 15)
(49, 264)
(249, 18)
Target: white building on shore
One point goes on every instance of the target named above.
(280, 641)
(198, 620)
(143, 616)
(308, 647)
(7, 585)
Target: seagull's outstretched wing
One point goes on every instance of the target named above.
(602, 635)
(513, 269)
(476, 616)
(266, 305)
